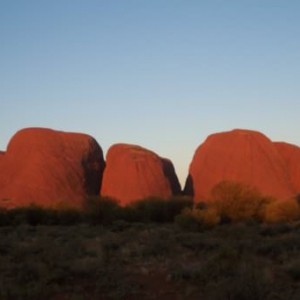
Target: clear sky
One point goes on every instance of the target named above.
(163, 74)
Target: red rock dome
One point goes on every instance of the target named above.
(50, 168)
(291, 155)
(133, 173)
(239, 155)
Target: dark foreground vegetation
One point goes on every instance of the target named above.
(242, 246)
(150, 261)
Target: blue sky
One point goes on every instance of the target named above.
(162, 74)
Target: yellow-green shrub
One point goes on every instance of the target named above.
(235, 201)
(282, 211)
(210, 217)
(193, 218)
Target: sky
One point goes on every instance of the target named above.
(163, 74)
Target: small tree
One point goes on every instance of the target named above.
(237, 201)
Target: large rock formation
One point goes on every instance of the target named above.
(1, 158)
(240, 155)
(50, 169)
(133, 173)
(291, 155)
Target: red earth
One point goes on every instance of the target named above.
(239, 155)
(50, 169)
(133, 173)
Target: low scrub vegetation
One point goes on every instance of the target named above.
(196, 218)
(99, 210)
(149, 261)
(234, 202)
(230, 202)
(282, 211)
(238, 245)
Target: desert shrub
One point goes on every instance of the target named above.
(209, 217)
(4, 217)
(159, 245)
(293, 270)
(129, 214)
(65, 217)
(151, 209)
(236, 201)
(197, 242)
(34, 215)
(31, 215)
(187, 221)
(97, 210)
(194, 218)
(155, 209)
(282, 211)
(275, 229)
(246, 282)
(102, 210)
(176, 205)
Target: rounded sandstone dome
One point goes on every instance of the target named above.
(239, 155)
(291, 155)
(133, 173)
(50, 168)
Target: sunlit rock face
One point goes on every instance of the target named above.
(291, 155)
(1, 158)
(239, 155)
(133, 173)
(50, 169)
